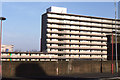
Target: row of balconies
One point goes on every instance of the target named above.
(76, 42)
(52, 55)
(82, 24)
(72, 45)
(81, 18)
(76, 33)
(55, 57)
(77, 51)
(47, 59)
(77, 48)
(73, 31)
(79, 35)
(79, 29)
(75, 38)
(29, 60)
(23, 54)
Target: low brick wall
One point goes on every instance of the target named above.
(60, 68)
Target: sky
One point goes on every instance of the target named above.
(22, 27)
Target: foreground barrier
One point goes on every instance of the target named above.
(54, 68)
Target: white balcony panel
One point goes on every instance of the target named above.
(54, 39)
(54, 45)
(98, 20)
(104, 56)
(84, 56)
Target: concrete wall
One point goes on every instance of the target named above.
(43, 32)
(61, 68)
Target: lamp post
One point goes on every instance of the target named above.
(116, 40)
(1, 18)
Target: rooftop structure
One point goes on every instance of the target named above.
(57, 9)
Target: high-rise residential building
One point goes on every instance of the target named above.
(76, 34)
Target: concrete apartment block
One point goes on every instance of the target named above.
(71, 33)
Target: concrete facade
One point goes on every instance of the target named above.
(71, 33)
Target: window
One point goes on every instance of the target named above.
(60, 49)
(70, 50)
(60, 44)
(60, 54)
(60, 30)
(60, 39)
(60, 35)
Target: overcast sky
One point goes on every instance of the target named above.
(23, 25)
